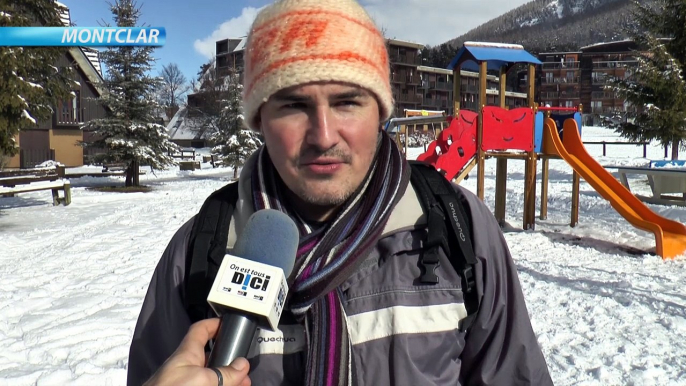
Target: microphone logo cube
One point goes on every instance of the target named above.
(252, 287)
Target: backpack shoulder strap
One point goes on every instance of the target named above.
(446, 216)
(206, 249)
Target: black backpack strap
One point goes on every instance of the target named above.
(446, 215)
(206, 249)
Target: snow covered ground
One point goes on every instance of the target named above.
(606, 312)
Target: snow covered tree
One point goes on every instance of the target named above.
(30, 82)
(129, 132)
(220, 116)
(657, 86)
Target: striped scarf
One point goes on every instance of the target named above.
(327, 256)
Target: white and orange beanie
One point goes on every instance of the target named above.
(294, 42)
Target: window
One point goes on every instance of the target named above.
(570, 77)
(70, 110)
(549, 77)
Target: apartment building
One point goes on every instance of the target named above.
(560, 79)
(405, 58)
(229, 55)
(571, 78)
(602, 64)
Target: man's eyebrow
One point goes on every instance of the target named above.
(353, 94)
(289, 97)
(283, 97)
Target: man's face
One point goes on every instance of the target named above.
(321, 138)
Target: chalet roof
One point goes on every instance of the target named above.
(405, 43)
(182, 127)
(86, 65)
(91, 54)
(241, 46)
(496, 54)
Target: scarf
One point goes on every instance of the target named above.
(327, 256)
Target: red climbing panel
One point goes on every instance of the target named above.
(508, 129)
(457, 145)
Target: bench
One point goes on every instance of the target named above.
(189, 165)
(664, 183)
(28, 180)
(182, 154)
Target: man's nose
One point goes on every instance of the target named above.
(322, 132)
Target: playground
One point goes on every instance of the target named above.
(535, 135)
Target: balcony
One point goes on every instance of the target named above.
(600, 95)
(565, 80)
(413, 79)
(435, 103)
(569, 95)
(441, 86)
(406, 79)
(405, 59)
(607, 109)
(601, 80)
(469, 89)
(549, 66)
(408, 98)
(550, 95)
(445, 86)
(611, 65)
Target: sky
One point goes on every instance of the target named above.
(193, 26)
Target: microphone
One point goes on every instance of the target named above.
(250, 288)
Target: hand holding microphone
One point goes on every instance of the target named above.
(187, 365)
(249, 292)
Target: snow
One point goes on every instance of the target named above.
(494, 45)
(605, 312)
(530, 23)
(559, 8)
(28, 116)
(48, 164)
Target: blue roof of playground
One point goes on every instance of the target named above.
(497, 55)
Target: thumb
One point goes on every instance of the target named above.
(236, 374)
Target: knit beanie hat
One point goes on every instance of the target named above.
(294, 42)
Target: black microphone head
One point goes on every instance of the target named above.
(269, 237)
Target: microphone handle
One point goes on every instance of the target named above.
(236, 333)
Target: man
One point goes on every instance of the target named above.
(316, 85)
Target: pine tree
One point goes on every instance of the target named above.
(219, 116)
(657, 87)
(30, 81)
(129, 132)
(232, 140)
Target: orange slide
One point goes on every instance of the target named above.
(670, 236)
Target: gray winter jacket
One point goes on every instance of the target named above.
(402, 334)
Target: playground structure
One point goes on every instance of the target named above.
(670, 236)
(529, 134)
(400, 127)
